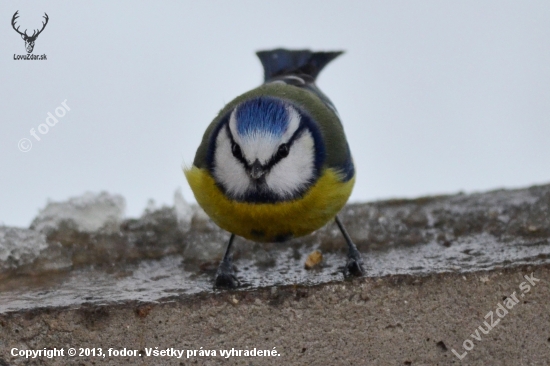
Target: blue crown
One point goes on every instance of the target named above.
(263, 115)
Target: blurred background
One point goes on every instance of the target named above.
(436, 96)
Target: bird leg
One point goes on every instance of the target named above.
(354, 265)
(225, 275)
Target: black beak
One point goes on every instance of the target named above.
(256, 170)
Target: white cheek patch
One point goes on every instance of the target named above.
(227, 169)
(296, 171)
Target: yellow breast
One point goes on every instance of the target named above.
(268, 222)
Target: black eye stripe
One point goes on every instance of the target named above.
(235, 148)
(277, 157)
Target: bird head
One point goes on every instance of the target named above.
(267, 150)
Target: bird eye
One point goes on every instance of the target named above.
(283, 151)
(236, 150)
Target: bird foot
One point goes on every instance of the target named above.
(354, 265)
(225, 276)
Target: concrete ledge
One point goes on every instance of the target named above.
(392, 320)
(438, 269)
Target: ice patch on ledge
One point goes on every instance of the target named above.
(91, 230)
(19, 246)
(88, 213)
(27, 251)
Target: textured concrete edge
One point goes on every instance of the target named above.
(399, 319)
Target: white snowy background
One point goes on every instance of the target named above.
(436, 96)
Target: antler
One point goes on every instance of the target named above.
(34, 33)
(15, 16)
(43, 25)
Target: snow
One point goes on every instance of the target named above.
(88, 213)
(19, 247)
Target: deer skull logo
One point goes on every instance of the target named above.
(29, 40)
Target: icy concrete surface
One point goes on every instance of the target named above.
(172, 251)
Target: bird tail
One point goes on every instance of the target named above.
(281, 62)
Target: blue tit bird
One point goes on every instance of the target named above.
(275, 163)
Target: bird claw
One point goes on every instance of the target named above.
(225, 276)
(354, 268)
(226, 280)
(354, 265)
